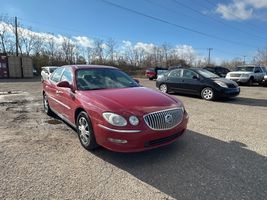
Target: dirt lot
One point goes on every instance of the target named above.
(221, 156)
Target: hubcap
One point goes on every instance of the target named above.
(84, 130)
(207, 94)
(163, 88)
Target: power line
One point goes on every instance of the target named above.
(218, 21)
(175, 25)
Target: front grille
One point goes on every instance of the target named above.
(165, 119)
(235, 75)
(162, 140)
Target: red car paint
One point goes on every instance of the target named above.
(138, 101)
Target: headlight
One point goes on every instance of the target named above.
(134, 120)
(114, 119)
(245, 75)
(222, 84)
(265, 77)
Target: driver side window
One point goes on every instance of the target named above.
(189, 74)
(57, 75)
(176, 73)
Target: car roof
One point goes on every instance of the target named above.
(76, 67)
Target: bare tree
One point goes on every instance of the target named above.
(68, 50)
(98, 51)
(111, 46)
(261, 56)
(6, 38)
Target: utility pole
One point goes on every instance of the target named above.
(17, 39)
(209, 49)
(244, 61)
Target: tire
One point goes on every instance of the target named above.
(150, 79)
(85, 131)
(250, 81)
(207, 94)
(47, 108)
(163, 88)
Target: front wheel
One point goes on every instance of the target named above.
(250, 82)
(47, 108)
(207, 94)
(85, 131)
(163, 88)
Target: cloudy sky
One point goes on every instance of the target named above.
(233, 28)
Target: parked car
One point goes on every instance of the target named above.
(47, 71)
(152, 73)
(264, 81)
(247, 74)
(197, 81)
(220, 71)
(108, 108)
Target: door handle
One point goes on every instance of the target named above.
(59, 92)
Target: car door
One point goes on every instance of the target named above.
(173, 80)
(191, 82)
(259, 74)
(51, 89)
(66, 96)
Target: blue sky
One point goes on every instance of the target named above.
(233, 28)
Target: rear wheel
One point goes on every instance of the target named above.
(85, 131)
(207, 94)
(163, 88)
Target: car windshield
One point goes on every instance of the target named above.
(52, 69)
(206, 73)
(245, 68)
(103, 78)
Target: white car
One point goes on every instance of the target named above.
(247, 74)
(47, 71)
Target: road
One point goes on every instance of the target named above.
(221, 156)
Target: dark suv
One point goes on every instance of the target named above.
(220, 71)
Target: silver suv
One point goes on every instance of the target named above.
(247, 74)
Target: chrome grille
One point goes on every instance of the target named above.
(164, 119)
(235, 75)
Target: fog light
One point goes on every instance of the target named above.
(117, 141)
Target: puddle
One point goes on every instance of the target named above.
(10, 92)
(8, 103)
(54, 121)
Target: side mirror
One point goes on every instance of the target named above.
(136, 80)
(195, 77)
(64, 84)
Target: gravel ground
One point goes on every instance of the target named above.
(221, 156)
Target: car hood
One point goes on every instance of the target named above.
(135, 100)
(226, 81)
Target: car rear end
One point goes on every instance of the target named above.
(151, 73)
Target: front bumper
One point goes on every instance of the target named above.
(138, 140)
(264, 82)
(239, 79)
(228, 92)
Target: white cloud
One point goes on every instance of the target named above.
(259, 4)
(148, 48)
(242, 9)
(235, 11)
(84, 41)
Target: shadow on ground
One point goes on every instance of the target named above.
(197, 167)
(245, 101)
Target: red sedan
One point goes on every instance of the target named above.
(109, 108)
